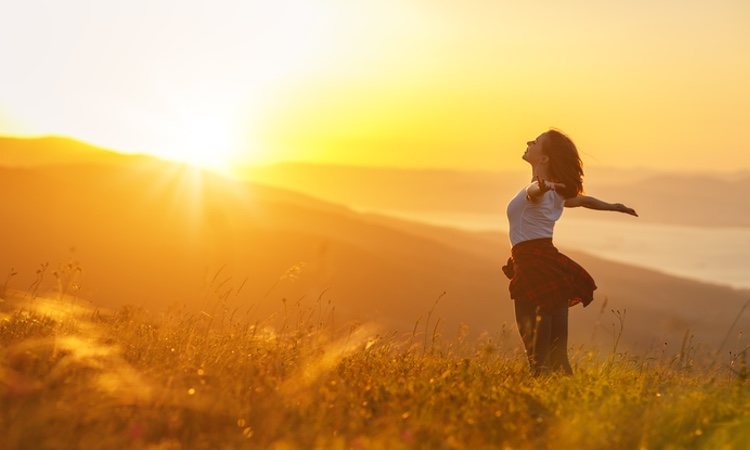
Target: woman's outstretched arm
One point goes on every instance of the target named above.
(594, 203)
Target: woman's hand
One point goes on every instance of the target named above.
(545, 186)
(624, 209)
(534, 191)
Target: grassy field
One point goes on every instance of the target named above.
(75, 377)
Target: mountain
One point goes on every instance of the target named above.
(155, 234)
(696, 199)
(699, 199)
(51, 150)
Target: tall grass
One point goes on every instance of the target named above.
(75, 377)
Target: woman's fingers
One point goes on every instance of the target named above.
(627, 210)
(555, 186)
(545, 186)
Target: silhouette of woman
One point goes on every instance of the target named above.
(544, 283)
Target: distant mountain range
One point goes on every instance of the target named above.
(700, 199)
(696, 198)
(154, 233)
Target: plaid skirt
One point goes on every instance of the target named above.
(540, 274)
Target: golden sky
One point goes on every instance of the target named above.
(425, 83)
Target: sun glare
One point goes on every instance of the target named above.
(207, 142)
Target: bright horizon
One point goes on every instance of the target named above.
(424, 84)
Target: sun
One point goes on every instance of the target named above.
(207, 142)
(209, 145)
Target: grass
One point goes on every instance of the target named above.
(75, 377)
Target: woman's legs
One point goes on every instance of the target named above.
(534, 332)
(558, 356)
(545, 336)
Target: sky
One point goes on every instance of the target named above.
(409, 83)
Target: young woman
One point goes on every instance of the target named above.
(544, 283)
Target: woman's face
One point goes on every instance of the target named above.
(534, 154)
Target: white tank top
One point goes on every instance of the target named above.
(533, 220)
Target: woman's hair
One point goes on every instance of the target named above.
(564, 163)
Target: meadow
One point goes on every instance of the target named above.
(74, 376)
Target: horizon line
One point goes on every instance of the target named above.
(421, 168)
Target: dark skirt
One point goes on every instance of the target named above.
(540, 274)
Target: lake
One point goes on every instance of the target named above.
(717, 254)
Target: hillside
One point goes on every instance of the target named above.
(157, 234)
(51, 150)
(699, 199)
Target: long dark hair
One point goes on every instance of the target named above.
(564, 163)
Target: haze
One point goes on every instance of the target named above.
(411, 84)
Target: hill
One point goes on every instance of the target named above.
(155, 234)
(51, 150)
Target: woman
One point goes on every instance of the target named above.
(544, 283)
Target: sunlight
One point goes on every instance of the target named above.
(207, 142)
(197, 195)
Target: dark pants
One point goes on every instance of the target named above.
(545, 337)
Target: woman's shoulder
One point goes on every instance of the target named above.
(552, 200)
(558, 196)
